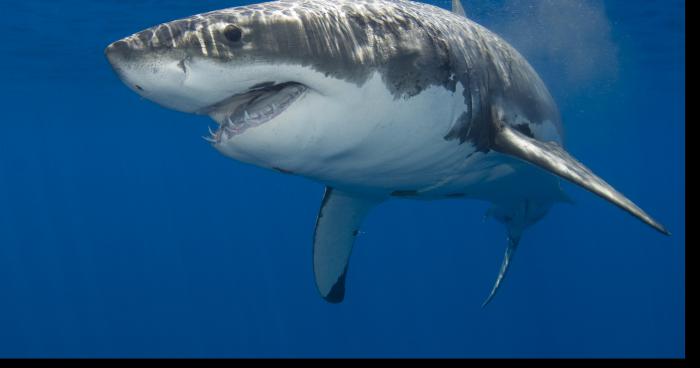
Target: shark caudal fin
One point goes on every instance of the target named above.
(553, 158)
(458, 9)
(338, 224)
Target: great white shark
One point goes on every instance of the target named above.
(376, 99)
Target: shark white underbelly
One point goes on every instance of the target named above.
(366, 143)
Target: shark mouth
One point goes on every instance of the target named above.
(257, 106)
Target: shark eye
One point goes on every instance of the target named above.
(233, 33)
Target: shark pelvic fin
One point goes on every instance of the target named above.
(552, 157)
(338, 224)
(517, 216)
(458, 9)
(510, 250)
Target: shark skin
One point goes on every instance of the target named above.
(375, 99)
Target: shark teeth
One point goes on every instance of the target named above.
(260, 107)
(214, 137)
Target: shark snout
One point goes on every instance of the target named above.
(116, 54)
(124, 51)
(117, 49)
(156, 74)
(120, 57)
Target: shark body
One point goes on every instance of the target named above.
(376, 99)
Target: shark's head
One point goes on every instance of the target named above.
(247, 67)
(277, 75)
(232, 58)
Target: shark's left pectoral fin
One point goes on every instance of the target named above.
(338, 224)
(552, 157)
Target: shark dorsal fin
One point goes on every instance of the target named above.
(457, 8)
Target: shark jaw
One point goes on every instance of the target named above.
(253, 108)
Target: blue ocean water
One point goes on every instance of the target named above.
(124, 234)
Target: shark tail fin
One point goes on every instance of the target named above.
(552, 157)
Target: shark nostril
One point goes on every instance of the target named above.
(138, 87)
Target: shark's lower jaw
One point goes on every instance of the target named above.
(254, 108)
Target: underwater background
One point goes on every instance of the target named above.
(124, 234)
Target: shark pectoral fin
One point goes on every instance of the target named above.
(458, 9)
(338, 224)
(552, 157)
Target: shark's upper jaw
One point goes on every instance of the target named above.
(257, 106)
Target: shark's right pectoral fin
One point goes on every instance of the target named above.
(338, 224)
(553, 158)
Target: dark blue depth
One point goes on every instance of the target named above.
(124, 234)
